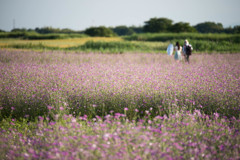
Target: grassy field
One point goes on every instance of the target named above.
(215, 37)
(210, 43)
(87, 44)
(145, 43)
(76, 105)
(60, 43)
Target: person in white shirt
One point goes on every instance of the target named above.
(178, 54)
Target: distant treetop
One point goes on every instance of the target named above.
(209, 27)
(99, 32)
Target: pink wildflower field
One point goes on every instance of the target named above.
(60, 105)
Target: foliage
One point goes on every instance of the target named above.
(123, 30)
(182, 27)
(233, 38)
(209, 27)
(147, 42)
(234, 30)
(137, 29)
(34, 35)
(99, 32)
(112, 47)
(219, 45)
(19, 30)
(201, 42)
(155, 25)
(46, 30)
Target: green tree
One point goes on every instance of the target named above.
(137, 29)
(123, 30)
(19, 30)
(45, 30)
(228, 30)
(209, 27)
(156, 25)
(99, 32)
(182, 27)
(2, 30)
(66, 30)
(236, 29)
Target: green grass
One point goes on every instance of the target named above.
(210, 43)
(163, 37)
(146, 43)
(114, 47)
(35, 36)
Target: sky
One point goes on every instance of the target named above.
(81, 14)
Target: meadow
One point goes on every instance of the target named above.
(86, 105)
(86, 45)
(143, 43)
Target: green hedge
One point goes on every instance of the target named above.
(34, 35)
(217, 37)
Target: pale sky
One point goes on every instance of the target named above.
(81, 14)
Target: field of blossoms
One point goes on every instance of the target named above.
(60, 105)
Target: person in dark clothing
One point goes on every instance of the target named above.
(187, 50)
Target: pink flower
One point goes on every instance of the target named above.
(149, 121)
(61, 108)
(50, 107)
(41, 118)
(73, 120)
(125, 109)
(94, 146)
(26, 155)
(178, 146)
(52, 123)
(216, 115)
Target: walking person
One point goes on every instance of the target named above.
(178, 54)
(187, 50)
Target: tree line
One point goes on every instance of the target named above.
(153, 25)
(163, 25)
